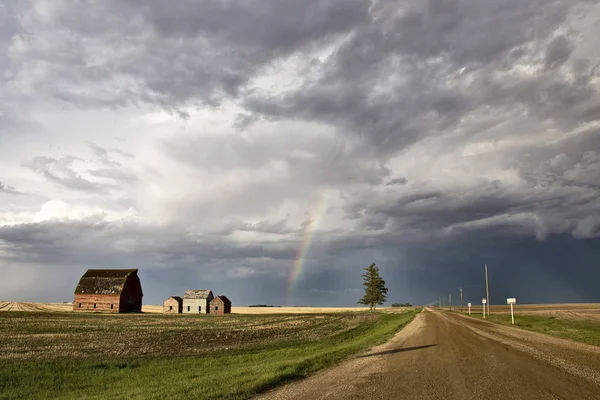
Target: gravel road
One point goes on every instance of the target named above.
(450, 356)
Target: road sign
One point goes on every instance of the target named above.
(469, 305)
(511, 301)
(484, 301)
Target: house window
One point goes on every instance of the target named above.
(199, 308)
(112, 306)
(188, 308)
(170, 308)
(216, 308)
(94, 305)
(79, 305)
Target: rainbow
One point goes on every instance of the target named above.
(307, 239)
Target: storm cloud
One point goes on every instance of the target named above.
(205, 143)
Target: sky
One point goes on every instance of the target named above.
(270, 150)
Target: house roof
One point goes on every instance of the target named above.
(224, 299)
(103, 281)
(197, 294)
(179, 299)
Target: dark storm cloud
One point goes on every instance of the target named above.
(520, 267)
(175, 54)
(437, 60)
(72, 241)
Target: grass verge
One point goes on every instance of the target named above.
(585, 331)
(234, 374)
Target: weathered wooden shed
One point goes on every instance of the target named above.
(220, 305)
(197, 301)
(109, 290)
(173, 305)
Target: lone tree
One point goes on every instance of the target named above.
(375, 290)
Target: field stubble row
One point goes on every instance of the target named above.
(30, 335)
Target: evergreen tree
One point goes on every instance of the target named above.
(375, 290)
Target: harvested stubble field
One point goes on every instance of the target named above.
(149, 308)
(80, 355)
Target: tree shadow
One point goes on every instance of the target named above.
(383, 353)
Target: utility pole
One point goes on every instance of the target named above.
(487, 290)
(461, 303)
(450, 300)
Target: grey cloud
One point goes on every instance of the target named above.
(558, 52)
(60, 171)
(98, 151)
(396, 181)
(301, 165)
(7, 189)
(277, 227)
(120, 175)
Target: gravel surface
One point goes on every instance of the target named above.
(450, 356)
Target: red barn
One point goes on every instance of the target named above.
(109, 290)
(220, 305)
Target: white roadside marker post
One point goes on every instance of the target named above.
(469, 305)
(483, 301)
(511, 301)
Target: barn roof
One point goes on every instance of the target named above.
(197, 294)
(224, 299)
(103, 281)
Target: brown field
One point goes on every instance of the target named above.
(574, 311)
(51, 335)
(157, 309)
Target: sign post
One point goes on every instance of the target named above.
(483, 301)
(511, 301)
(469, 305)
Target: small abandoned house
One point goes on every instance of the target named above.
(109, 290)
(173, 305)
(220, 305)
(197, 301)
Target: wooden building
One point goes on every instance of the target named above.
(109, 290)
(197, 301)
(220, 305)
(173, 305)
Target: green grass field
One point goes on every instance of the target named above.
(90, 356)
(581, 330)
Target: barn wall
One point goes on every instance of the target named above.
(131, 296)
(102, 301)
(193, 304)
(217, 307)
(222, 308)
(171, 303)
